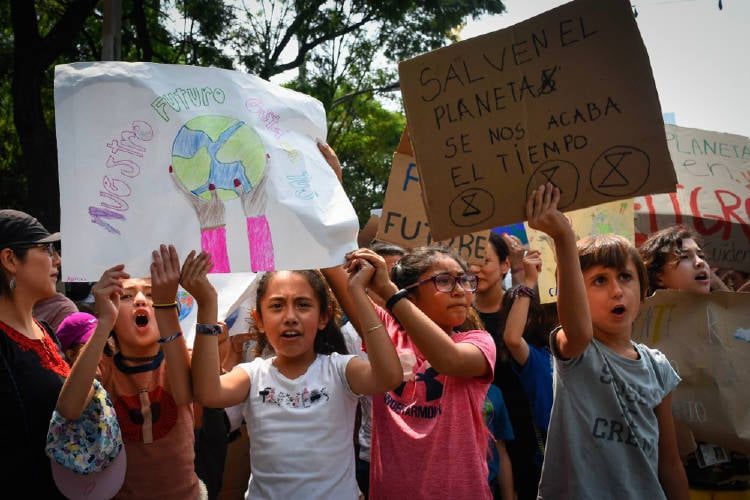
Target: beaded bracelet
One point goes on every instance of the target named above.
(164, 340)
(164, 306)
(521, 290)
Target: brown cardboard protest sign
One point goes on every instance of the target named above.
(712, 195)
(707, 340)
(566, 97)
(403, 220)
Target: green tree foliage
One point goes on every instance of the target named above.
(344, 53)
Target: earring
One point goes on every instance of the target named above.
(12, 283)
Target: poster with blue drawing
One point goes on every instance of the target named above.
(203, 158)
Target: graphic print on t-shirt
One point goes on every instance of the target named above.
(146, 416)
(303, 399)
(405, 402)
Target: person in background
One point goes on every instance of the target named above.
(147, 379)
(73, 333)
(611, 432)
(488, 302)
(32, 368)
(54, 309)
(675, 260)
(526, 330)
(499, 464)
(80, 294)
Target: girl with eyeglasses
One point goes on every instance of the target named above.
(435, 416)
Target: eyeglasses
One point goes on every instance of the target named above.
(445, 282)
(50, 248)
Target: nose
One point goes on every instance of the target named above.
(140, 299)
(616, 288)
(699, 261)
(290, 317)
(475, 268)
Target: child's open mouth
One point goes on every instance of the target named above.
(290, 335)
(141, 320)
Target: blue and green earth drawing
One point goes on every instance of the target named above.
(218, 151)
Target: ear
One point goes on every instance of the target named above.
(505, 266)
(9, 260)
(324, 317)
(659, 283)
(257, 319)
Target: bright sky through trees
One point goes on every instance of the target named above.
(699, 56)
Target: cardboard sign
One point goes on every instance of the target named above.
(613, 217)
(203, 158)
(707, 340)
(566, 97)
(712, 196)
(403, 220)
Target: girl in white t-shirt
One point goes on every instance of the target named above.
(299, 405)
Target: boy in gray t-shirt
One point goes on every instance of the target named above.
(611, 432)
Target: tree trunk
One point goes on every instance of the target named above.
(32, 56)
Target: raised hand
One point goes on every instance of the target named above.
(532, 266)
(516, 250)
(194, 276)
(165, 274)
(333, 161)
(107, 292)
(367, 270)
(542, 213)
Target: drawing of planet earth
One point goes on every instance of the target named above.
(220, 151)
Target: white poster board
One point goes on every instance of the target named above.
(203, 158)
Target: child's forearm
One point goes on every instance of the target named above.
(386, 366)
(572, 300)
(338, 281)
(176, 355)
(514, 327)
(77, 390)
(206, 370)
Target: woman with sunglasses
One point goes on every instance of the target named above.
(434, 418)
(32, 369)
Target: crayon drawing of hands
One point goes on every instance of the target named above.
(217, 159)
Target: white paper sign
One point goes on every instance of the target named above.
(236, 294)
(202, 158)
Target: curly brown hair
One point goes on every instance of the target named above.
(661, 247)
